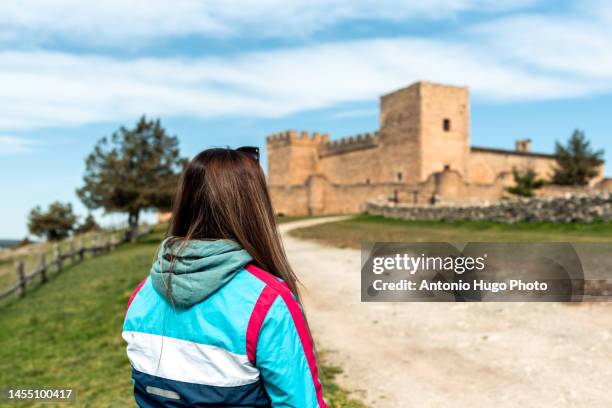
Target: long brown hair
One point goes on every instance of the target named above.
(223, 195)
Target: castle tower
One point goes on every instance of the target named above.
(424, 129)
(292, 157)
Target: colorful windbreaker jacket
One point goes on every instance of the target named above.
(231, 334)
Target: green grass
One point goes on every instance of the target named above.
(368, 228)
(67, 333)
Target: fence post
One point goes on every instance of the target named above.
(72, 252)
(43, 268)
(21, 276)
(107, 244)
(81, 250)
(57, 253)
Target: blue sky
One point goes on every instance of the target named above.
(230, 72)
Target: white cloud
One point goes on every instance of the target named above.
(10, 145)
(49, 89)
(577, 43)
(522, 57)
(564, 45)
(118, 22)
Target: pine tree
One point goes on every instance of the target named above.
(525, 182)
(133, 170)
(576, 163)
(54, 224)
(89, 224)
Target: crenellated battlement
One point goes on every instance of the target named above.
(349, 144)
(324, 146)
(293, 137)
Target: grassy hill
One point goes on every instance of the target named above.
(30, 254)
(67, 333)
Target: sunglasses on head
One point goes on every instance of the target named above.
(252, 151)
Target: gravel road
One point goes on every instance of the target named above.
(452, 354)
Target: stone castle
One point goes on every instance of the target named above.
(421, 154)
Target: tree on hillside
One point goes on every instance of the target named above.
(133, 170)
(525, 181)
(24, 242)
(54, 224)
(577, 163)
(89, 224)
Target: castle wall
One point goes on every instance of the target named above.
(449, 186)
(604, 184)
(599, 181)
(552, 190)
(356, 166)
(485, 165)
(289, 200)
(342, 199)
(559, 191)
(319, 196)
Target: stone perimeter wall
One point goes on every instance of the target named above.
(580, 208)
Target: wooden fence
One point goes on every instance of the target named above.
(74, 255)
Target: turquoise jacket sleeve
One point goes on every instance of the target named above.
(286, 357)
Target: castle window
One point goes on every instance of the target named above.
(367, 181)
(446, 124)
(399, 176)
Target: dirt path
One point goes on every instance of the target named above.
(452, 354)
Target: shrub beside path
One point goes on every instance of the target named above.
(449, 354)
